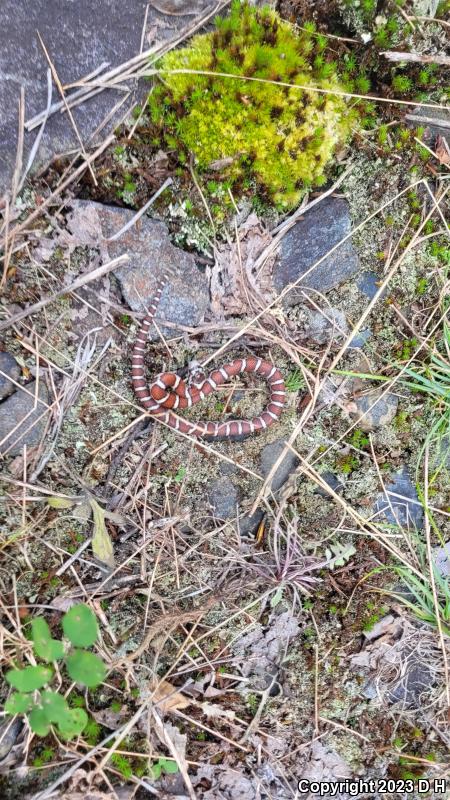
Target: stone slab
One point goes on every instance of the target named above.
(309, 240)
(79, 36)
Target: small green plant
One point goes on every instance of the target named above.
(128, 189)
(346, 464)
(122, 765)
(44, 756)
(294, 381)
(422, 286)
(260, 95)
(359, 439)
(422, 603)
(164, 765)
(181, 474)
(43, 706)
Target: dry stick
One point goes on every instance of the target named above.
(395, 55)
(179, 760)
(58, 106)
(431, 563)
(433, 19)
(144, 29)
(349, 338)
(8, 252)
(87, 278)
(438, 209)
(139, 214)
(14, 187)
(165, 624)
(63, 96)
(19, 155)
(86, 78)
(316, 690)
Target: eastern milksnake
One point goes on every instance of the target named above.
(168, 391)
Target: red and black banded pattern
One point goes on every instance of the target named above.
(169, 392)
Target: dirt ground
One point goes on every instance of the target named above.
(274, 609)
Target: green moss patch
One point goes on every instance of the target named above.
(280, 136)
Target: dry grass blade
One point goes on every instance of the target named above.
(312, 89)
(37, 142)
(63, 96)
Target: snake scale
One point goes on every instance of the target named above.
(169, 392)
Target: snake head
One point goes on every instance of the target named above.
(197, 374)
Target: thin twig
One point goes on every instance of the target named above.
(141, 212)
(70, 115)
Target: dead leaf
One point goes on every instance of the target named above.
(387, 625)
(179, 740)
(215, 712)
(167, 698)
(220, 163)
(62, 603)
(59, 502)
(233, 283)
(442, 150)
(325, 764)
(83, 512)
(170, 736)
(110, 719)
(101, 541)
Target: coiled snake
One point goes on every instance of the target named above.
(168, 391)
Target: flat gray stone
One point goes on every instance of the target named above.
(360, 339)
(417, 679)
(437, 121)
(20, 407)
(269, 455)
(383, 411)
(310, 239)
(184, 299)
(440, 457)
(224, 498)
(326, 326)
(10, 731)
(441, 558)
(368, 284)
(79, 37)
(401, 506)
(333, 482)
(8, 367)
(248, 525)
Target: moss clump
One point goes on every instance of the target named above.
(280, 137)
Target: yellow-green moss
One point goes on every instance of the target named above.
(281, 136)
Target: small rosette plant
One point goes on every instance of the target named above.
(32, 696)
